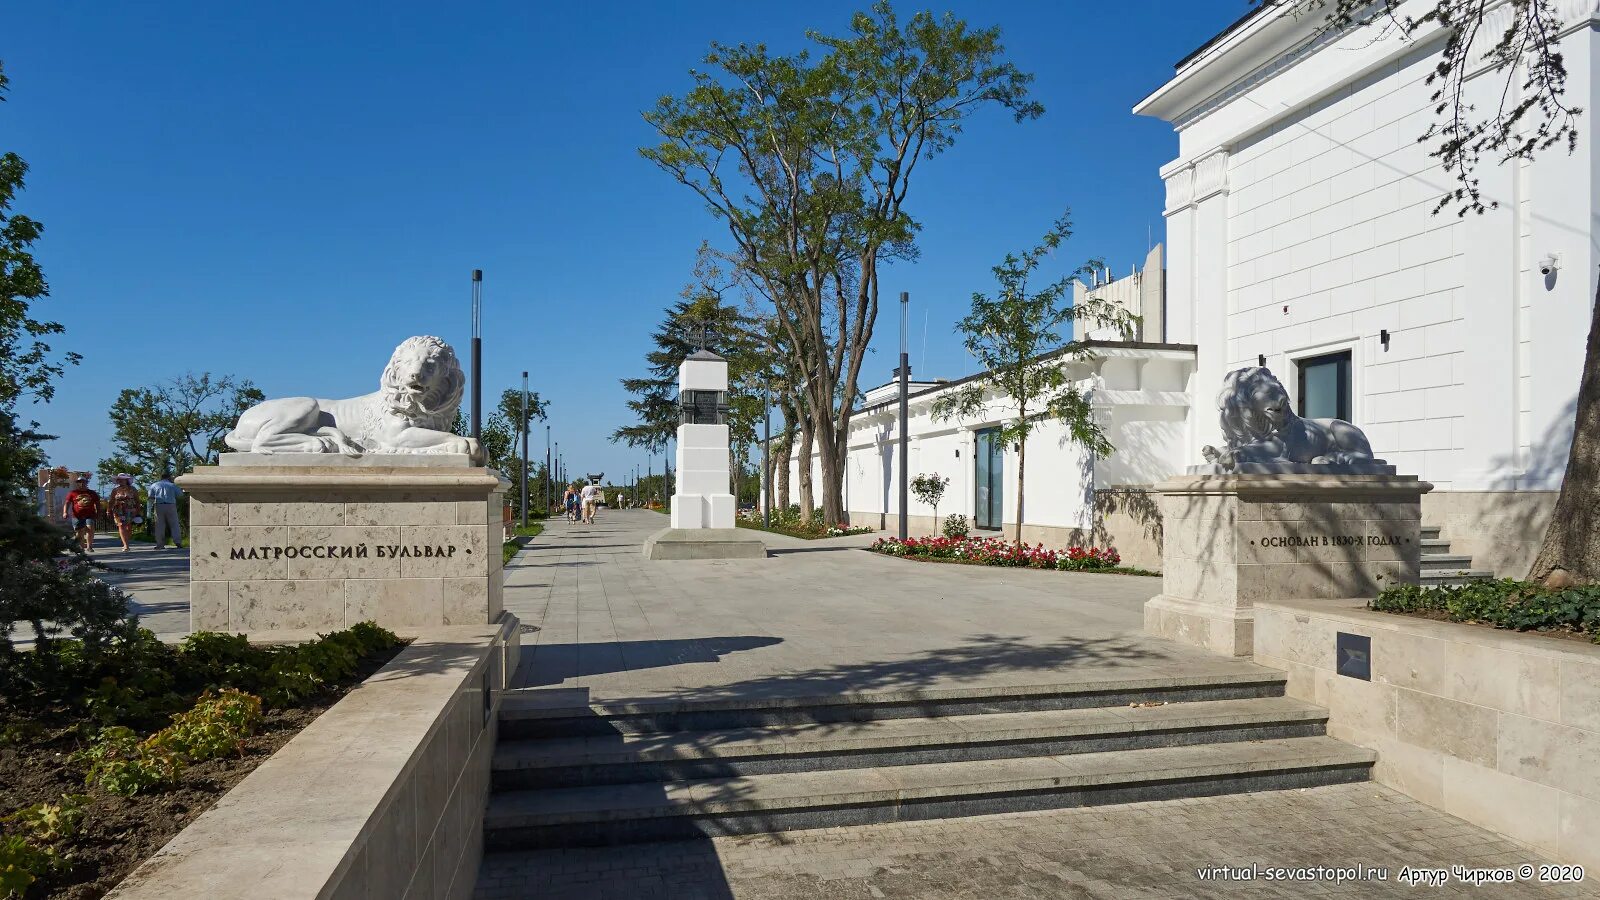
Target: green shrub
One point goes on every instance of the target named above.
(216, 726)
(121, 764)
(21, 864)
(47, 822)
(1519, 605)
(955, 526)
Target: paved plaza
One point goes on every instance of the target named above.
(1136, 850)
(824, 617)
(817, 617)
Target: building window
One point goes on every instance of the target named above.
(988, 470)
(1325, 386)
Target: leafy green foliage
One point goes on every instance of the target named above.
(175, 426)
(929, 488)
(216, 726)
(46, 582)
(120, 763)
(21, 864)
(955, 526)
(1017, 337)
(217, 723)
(700, 314)
(1519, 605)
(135, 679)
(28, 366)
(808, 160)
(47, 822)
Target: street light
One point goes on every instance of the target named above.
(547, 482)
(524, 449)
(905, 406)
(477, 354)
(766, 461)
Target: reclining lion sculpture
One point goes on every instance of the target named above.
(411, 412)
(1261, 430)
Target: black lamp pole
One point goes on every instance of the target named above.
(905, 407)
(524, 449)
(766, 457)
(547, 482)
(477, 354)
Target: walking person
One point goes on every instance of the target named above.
(569, 501)
(80, 509)
(124, 503)
(591, 499)
(164, 512)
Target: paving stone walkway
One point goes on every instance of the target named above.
(817, 617)
(822, 617)
(1138, 850)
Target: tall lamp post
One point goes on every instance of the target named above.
(477, 354)
(766, 459)
(905, 406)
(547, 482)
(524, 449)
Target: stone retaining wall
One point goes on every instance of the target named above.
(381, 797)
(1497, 727)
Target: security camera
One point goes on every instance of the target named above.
(1550, 263)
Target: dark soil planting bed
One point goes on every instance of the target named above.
(202, 719)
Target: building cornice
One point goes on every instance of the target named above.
(1259, 49)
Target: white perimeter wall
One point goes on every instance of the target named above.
(1138, 395)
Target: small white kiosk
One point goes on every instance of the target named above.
(702, 504)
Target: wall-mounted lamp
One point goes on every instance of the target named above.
(1261, 360)
(1383, 338)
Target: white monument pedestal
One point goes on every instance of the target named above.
(318, 541)
(1230, 540)
(702, 505)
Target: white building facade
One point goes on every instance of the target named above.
(1139, 391)
(1301, 232)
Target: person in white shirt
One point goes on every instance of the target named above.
(591, 497)
(164, 512)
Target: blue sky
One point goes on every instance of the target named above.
(285, 191)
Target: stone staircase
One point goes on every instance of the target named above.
(612, 773)
(1441, 567)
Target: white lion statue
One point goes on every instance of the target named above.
(1259, 427)
(411, 412)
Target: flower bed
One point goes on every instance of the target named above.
(788, 521)
(1517, 605)
(1001, 552)
(106, 753)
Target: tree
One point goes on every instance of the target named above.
(700, 314)
(48, 582)
(175, 426)
(1016, 337)
(1531, 116)
(502, 435)
(929, 489)
(809, 162)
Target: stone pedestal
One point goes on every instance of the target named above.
(296, 542)
(703, 525)
(1230, 540)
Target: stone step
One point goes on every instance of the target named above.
(1441, 577)
(617, 814)
(1430, 531)
(1455, 562)
(631, 758)
(1434, 545)
(528, 713)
